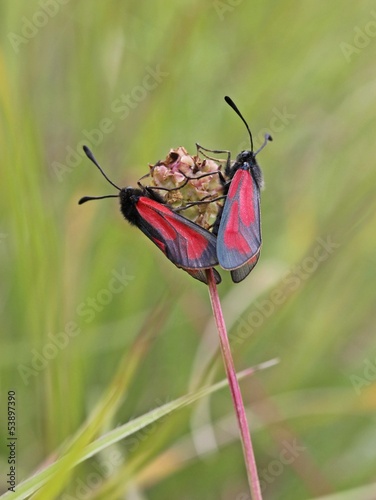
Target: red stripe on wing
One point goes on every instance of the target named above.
(233, 238)
(243, 189)
(160, 244)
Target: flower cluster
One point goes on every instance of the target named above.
(187, 179)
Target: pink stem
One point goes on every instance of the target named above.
(249, 456)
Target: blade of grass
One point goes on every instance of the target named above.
(181, 455)
(32, 484)
(108, 405)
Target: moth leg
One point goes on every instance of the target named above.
(200, 202)
(201, 149)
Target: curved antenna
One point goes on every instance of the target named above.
(231, 103)
(267, 137)
(84, 199)
(91, 157)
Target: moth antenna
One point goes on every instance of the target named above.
(91, 157)
(267, 137)
(84, 199)
(231, 103)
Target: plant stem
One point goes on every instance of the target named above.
(245, 435)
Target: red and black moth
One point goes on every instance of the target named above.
(238, 225)
(186, 244)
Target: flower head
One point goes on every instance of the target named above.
(189, 179)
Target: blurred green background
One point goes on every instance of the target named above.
(90, 306)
